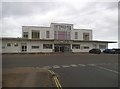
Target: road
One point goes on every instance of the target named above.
(74, 70)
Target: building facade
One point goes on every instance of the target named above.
(59, 37)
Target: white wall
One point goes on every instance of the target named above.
(80, 34)
(51, 29)
(40, 44)
(90, 44)
(41, 29)
(12, 48)
(17, 49)
(81, 47)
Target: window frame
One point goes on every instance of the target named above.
(76, 35)
(35, 34)
(15, 44)
(25, 35)
(50, 46)
(9, 45)
(47, 34)
(86, 36)
(86, 47)
(73, 46)
(35, 47)
(102, 47)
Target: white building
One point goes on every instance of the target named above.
(59, 37)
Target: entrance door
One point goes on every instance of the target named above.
(62, 47)
(23, 47)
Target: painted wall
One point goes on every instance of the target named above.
(80, 34)
(42, 31)
(17, 49)
(82, 47)
(12, 48)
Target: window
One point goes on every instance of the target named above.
(75, 46)
(47, 34)
(94, 45)
(35, 47)
(68, 27)
(68, 35)
(8, 44)
(76, 35)
(25, 34)
(62, 35)
(15, 44)
(35, 34)
(55, 34)
(85, 36)
(47, 46)
(23, 47)
(86, 47)
(56, 27)
(3, 47)
(102, 46)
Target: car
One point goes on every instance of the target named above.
(111, 51)
(117, 51)
(96, 51)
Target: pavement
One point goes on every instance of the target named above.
(28, 77)
(73, 70)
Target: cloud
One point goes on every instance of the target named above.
(102, 17)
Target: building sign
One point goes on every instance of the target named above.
(62, 27)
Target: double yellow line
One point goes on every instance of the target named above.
(56, 80)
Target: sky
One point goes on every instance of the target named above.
(101, 17)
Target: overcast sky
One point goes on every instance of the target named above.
(101, 17)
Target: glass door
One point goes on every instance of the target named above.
(23, 47)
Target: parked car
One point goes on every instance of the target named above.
(111, 51)
(96, 51)
(117, 51)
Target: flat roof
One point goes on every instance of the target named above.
(37, 26)
(62, 23)
(24, 39)
(88, 29)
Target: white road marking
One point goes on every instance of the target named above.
(73, 65)
(81, 65)
(46, 67)
(91, 64)
(108, 69)
(56, 66)
(65, 66)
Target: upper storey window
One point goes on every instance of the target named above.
(68, 27)
(76, 35)
(85, 36)
(62, 35)
(35, 34)
(25, 34)
(47, 34)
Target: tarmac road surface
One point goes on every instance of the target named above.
(74, 70)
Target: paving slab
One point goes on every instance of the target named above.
(26, 77)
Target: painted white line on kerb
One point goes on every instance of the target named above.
(108, 69)
(56, 66)
(46, 67)
(65, 66)
(81, 65)
(73, 65)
